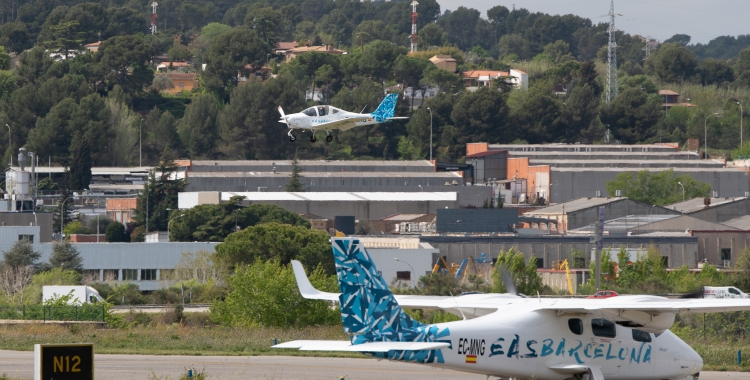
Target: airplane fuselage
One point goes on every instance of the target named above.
(543, 345)
(303, 121)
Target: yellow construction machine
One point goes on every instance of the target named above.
(563, 265)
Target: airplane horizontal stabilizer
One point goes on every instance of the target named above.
(397, 118)
(342, 345)
(306, 289)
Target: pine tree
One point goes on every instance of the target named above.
(21, 254)
(159, 194)
(65, 256)
(294, 185)
(79, 176)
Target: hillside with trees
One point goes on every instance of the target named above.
(84, 108)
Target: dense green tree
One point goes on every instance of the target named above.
(673, 63)
(659, 188)
(514, 44)
(632, 116)
(216, 222)
(431, 35)
(197, 129)
(462, 25)
(79, 174)
(229, 52)
(66, 256)
(273, 241)
(682, 39)
(115, 233)
(14, 36)
(715, 71)
(523, 275)
(483, 115)
(266, 294)
(536, 114)
(22, 253)
(122, 60)
(379, 58)
(742, 67)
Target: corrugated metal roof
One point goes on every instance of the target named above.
(310, 163)
(574, 205)
(446, 175)
(696, 204)
(742, 223)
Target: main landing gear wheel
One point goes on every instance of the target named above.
(329, 138)
(313, 139)
(292, 138)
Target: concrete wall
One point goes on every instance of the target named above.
(361, 210)
(241, 182)
(420, 259)
(12, 234)
(679, 250)
(42, 219)
(568, 184)
(710, 244)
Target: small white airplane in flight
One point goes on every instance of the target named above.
(328, 118)
(623, 338)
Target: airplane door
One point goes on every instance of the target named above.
(674, 359)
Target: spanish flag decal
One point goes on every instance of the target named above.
(471, 359)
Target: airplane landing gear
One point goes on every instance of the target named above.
(292, 138)
(313, 139)
(329, 138)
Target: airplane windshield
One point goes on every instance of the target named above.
(310, 112)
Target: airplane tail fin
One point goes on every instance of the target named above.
(367, 305)
(386, 109)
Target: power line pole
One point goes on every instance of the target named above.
(153, 17)
(611, 56)
(651, 45)
(414, 26)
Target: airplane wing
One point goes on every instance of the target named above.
(648, 313)
(337, 124)
(343, 345)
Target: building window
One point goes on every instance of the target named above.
(91, 275)
(539, 263)
(130, 274)
(726, 254)
(111, 275)
(181, 84)
(148, 274)
(26, 238)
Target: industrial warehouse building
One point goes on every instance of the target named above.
(562, 172)
(363, 206)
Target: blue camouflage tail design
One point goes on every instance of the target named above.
(370, 312)
(386, 109)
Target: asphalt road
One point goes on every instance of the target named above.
(18, 364)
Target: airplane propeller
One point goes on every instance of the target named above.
(283, 116)
(696, 294)
(510, 285)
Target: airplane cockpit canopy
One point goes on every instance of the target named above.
(310, 112)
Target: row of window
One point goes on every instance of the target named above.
(603, 328)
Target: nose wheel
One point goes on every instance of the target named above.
(291, 136)
(313, 139)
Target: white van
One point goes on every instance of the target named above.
(81, 294)
(723, 292)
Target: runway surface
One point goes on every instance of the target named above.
(18, 364)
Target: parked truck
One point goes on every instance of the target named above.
(80, 294)
(723, 292)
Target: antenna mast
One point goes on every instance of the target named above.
(153, 17)
(611, 56)
(414, 26)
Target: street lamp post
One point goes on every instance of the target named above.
(683, 190)
(9, 144)
(428, 108)
(140, 144)
(740, 104)
(705, 133)
(62, 217)
(169, 236)
(412, 270)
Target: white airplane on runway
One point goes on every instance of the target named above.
(328, 118)
(624, 337)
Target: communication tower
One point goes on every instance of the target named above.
(414, 26)
(611, 56)
(153, 17)
(651, 46)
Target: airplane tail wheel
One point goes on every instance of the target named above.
(292, 138)
(313, 139)
(329, 138)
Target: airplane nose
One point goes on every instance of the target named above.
(693, 361)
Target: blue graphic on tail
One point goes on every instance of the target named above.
(386, 109)
(370, 312)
